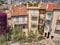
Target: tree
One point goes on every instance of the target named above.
(1, 2)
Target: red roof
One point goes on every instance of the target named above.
(50, 7)
(19, 11)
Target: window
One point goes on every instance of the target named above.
(33, 26)
(49, 14)
(41, 16)
(34, 19)
(58, 22)
(23, 18)
(17, 19)
(48, 22)
(57, 31)
(34, 12)
(24, 27)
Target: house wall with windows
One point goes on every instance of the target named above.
(20, 21)
(19, 17)
(55, 27)
(33, 19)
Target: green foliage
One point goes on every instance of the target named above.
(36, 4)
(16, 29)
(40, 38)
(28, 39)
(2, 39)
(31, 37)
(20, 36)
(24, 4)
(17, 35)
(6, 43)
(1, 2)
(3, 9)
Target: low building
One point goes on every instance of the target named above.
(19, 17)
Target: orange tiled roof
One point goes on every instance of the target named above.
(50, 7)
(19, 11)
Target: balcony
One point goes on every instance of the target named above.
(34, 22)
(58, 27)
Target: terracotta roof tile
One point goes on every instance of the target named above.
(50, 7)
(19, 11)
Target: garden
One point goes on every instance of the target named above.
(17, 35)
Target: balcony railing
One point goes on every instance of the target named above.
(34, 22)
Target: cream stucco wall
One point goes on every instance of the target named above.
(56, 14)
(30, 20)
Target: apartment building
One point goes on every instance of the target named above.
(33, 16)
(42, 18)
(55, 27)
(49, 15)
(19, 17)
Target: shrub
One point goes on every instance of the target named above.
(28, 39)
(2, 39)
(6, 43)
(40, 38)
(31, 36)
